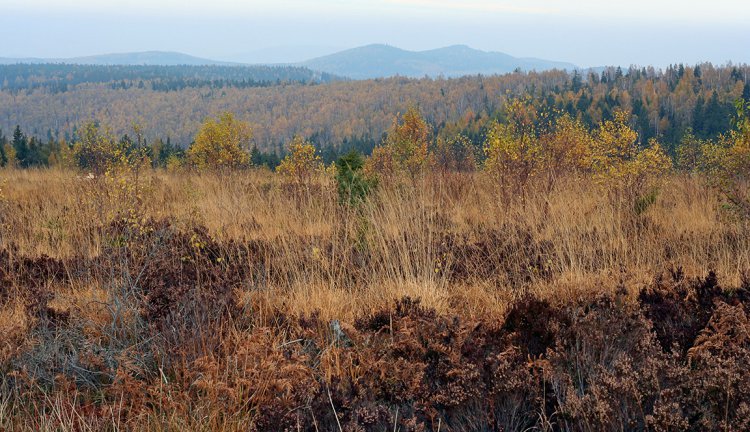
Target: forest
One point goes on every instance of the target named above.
(170, 103)
(524, 252)
(60, 77)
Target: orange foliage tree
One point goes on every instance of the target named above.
(405, 149)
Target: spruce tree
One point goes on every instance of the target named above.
(21, 145)
(3, 143)
(698, 114)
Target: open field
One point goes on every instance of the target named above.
(193, 301)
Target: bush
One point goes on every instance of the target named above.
(513, 150)
(98, 152)
(405, 149)
(221, 144)
(301, 163)
(623, 167)
(690, 152)
(456, 154)
(727, 163)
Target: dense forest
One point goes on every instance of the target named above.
(60, 77)
(50, 102)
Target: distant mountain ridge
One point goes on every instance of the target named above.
(145, 58)
(366, 62)
(380, 61)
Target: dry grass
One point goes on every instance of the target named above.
(57, 214)
(272, 254)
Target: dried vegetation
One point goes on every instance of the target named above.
(236, 302)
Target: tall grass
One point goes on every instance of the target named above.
(74, 286)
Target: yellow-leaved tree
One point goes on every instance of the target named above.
(727, 163)
(626, 170)
(566, 149)
(513, 149)
(221, 144)
(11, 159)
(302, 162)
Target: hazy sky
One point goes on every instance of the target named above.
(585, 32)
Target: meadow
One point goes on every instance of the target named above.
(237, 300)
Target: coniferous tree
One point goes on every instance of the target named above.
(698, 114)
(716, 119)
(3, 143)
(21, 146)
(577, 83)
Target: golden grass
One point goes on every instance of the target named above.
(573, 242)
(57, 213)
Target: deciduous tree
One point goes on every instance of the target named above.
(221, 143)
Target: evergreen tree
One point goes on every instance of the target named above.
(736, 75)
(21, 146)
(577, 83)
(698, 116)
(3, 143)
(255, 157)
(716, 118)
(36, 153)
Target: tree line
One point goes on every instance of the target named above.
(663, 104)
(57, 78)
(529, 146)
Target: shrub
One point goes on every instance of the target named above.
(728, 163)
(690, 152)
(96, 149)
(619, 164)
(456, 154)
(405, 149)
(301, 163)
(513, 149)
(221, 144)
(98, 152)
(566, 149)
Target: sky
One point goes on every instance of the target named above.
(586, 32)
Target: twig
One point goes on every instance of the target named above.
(330, 399)
(289, 343)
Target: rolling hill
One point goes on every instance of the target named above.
(366, 62)
(379, 61)
(147, 58)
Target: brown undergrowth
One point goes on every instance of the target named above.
(426, 309)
